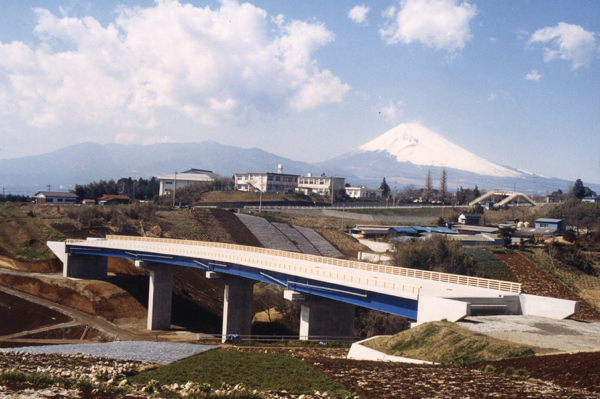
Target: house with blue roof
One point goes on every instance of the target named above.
(551, 224)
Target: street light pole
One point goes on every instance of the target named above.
(174, 188)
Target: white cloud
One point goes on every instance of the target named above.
(358, 14)
(441, 24)
(533, 75)
(391, 112)
(492, 96)
(170, 58)
(568, 42)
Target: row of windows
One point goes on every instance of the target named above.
(270, 178)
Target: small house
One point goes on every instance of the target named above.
(551, 224)
(88, 202)
(54, 197)
(590, 199)
(471, 219)
(109, 199)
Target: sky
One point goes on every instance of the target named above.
(514, 81)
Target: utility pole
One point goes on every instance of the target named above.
(49, 187)
(174, 188)
(343, 209)
(331, 189)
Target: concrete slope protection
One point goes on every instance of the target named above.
(419, 295)
(287, 237)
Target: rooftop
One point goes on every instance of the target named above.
(55, 194)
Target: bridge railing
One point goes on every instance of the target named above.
(393, 270)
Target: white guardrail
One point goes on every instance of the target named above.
(392, 270)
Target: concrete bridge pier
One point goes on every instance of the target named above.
(160, 296)
(322, 317)
(85, 266)
(237, 306)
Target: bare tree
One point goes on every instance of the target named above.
(443, 186)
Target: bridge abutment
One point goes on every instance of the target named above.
(322, 317)
(160, 295)
(85, 266)
(237, 306)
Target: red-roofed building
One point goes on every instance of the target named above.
(109, 199)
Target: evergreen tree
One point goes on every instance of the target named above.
(386, 189)
(443, 186)
(428, 187)
(578, 189)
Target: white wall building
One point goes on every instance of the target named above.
(178, 180)
(320, 185)
(363, 192)
(54, 197)
(266, 182)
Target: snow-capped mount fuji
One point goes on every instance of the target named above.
(406, 152)
(411, 142)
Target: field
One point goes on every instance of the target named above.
(536, 281)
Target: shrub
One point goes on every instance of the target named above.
(521, 373)
(436, 254)
(509, 371)
(489, 369)
(569, 236)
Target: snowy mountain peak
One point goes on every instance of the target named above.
(411, 142)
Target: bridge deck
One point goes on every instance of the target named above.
(388, 280)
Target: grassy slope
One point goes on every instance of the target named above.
(444, 342)
(23, 235)
(261, 371)
(489, 266)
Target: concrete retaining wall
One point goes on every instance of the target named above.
(552, 308)
(360, 352)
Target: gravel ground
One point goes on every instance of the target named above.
(563, 335)
(152, 352)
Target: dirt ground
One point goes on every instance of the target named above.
(538, 282)
(377, 380)
(18, 315)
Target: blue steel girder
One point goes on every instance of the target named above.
(368, 299)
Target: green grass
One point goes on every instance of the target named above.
(489, 266)
(260, 371)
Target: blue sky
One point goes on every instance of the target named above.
(516, 82)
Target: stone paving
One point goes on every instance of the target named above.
(152, 352)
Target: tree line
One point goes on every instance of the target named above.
(141, 189)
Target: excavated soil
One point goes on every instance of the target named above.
(89, 296)
(577, 370)
(70, 333)
(377, 380)
(17, 315)
(538, 282)
(40, 266)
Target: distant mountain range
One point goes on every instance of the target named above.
(403, 155)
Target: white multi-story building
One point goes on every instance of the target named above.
(266, 182)
(320, 185)
(177, 180)
(363, 192)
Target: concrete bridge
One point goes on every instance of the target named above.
(328, 288)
